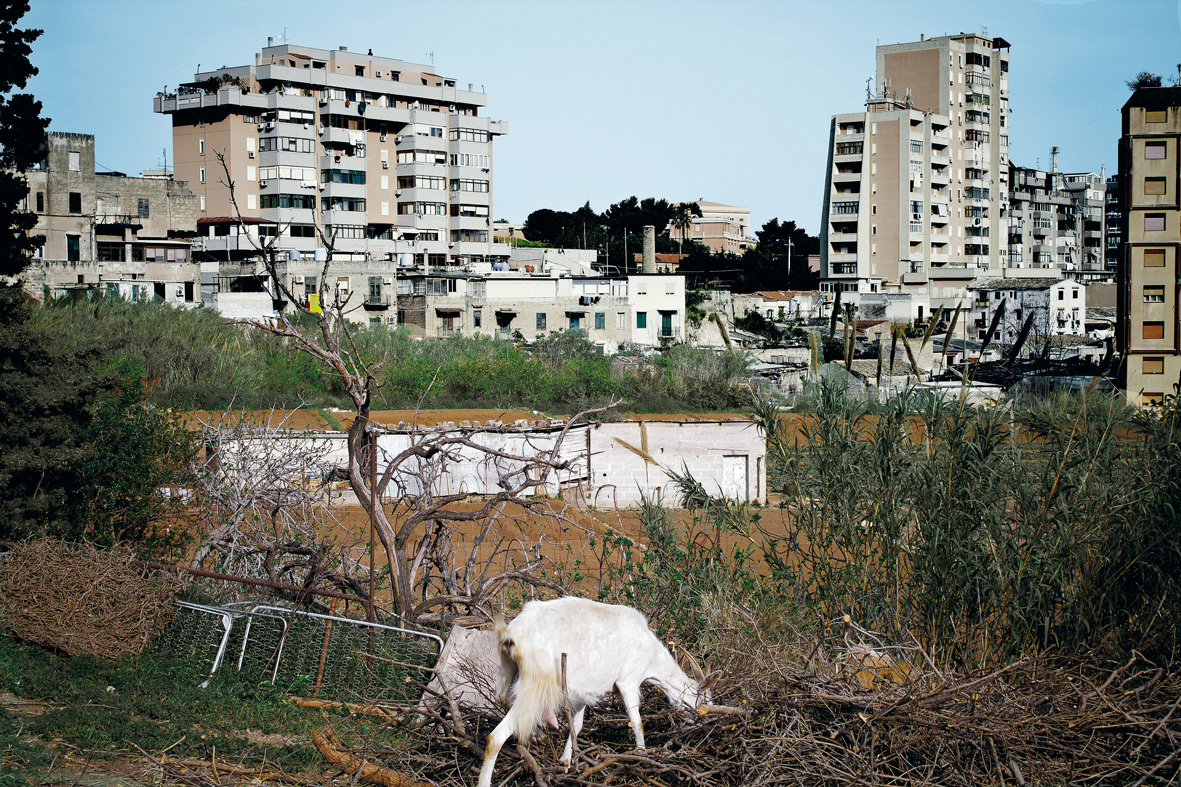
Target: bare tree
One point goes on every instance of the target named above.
(261, 488)
(427, 513)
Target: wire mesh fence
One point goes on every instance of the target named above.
(313, 654)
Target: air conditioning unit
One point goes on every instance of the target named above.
(321, 187)
(383, 136)
(262, 184)
(385, 165)
(452, 107)
(299, 279)
(387, 280)
(398, 138)
(250, 154)
(261, 126)
(398, 193)
(377, 74)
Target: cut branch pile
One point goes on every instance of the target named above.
(1030, 722)
(83, 600)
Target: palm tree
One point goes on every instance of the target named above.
(681, 221)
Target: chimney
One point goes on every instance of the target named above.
(270, 40)
(1054, 158)
(649, 249)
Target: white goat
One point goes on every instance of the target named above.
(607, 648)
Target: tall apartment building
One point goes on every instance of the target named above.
(1148, 331)
(1056, 220)
(917, 183)
(385, 158)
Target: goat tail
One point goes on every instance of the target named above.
(538, 692)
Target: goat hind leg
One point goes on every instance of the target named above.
(496, 740)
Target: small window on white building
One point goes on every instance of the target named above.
(620, 321)
(251, 173)
(385, 208)
(75, 161)
(202, 202)
(201, 146)
(251, 202)
(385, 182)
(201, 175)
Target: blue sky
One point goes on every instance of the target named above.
(729, 101)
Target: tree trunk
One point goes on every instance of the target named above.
(401, 594)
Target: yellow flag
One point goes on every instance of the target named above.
(314, 303)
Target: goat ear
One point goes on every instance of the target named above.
(709, 680)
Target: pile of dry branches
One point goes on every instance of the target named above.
(1030, 722)
(83, 600)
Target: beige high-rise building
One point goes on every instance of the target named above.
(916, 184)
(1150, 213)
(382, 158)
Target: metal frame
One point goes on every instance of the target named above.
(227, 622)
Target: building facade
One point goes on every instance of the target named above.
(720, 228)
(377, 158)
(916, 184)
(107, 231)
(1149, 165)
(1058, 308)
(1057, 220)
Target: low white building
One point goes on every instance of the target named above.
(1058, 307)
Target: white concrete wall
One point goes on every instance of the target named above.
(712, 451)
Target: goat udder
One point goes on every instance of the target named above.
(553, 720)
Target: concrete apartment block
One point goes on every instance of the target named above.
(383, 157)
(917, 182)
(1057, 220)
(1147, 328)
(1058, 307)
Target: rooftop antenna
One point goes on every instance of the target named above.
(432, 57)
(868, 90)
(284, 35)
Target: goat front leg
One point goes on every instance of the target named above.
(631, 701)
(496, 740)
(572, 741)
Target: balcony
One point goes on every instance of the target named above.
(380, 301)
(117, 222)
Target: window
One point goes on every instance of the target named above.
(541, 321)
(251, 202)
(844, 208)
(465, 184)
(299, 201)
(469, 160)
(1154, 258)
(40, 201)
(1154, 186)
(849, 148)
(360, 70)
(75, 202)
(73, 248)
(251, 173)
(287, 144)
(422, 157)
(916, 146)
(355, 177)
(1154, 330)
(1154, 222)
(477, 318)
(469, 135)
(1061, 295)
(374, 289)
(201, 175)
(1151, 399)
(303, 230)
(75, 162)
(202, 200)
(1154, 293)
(1154, 150)
(600, 321)
(141, 206)
(1153, 365)
(350, 231)
(641, 319)
(341, 203)
(620, 321)
(111, 252)
(305, 174)
(1155, 116)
